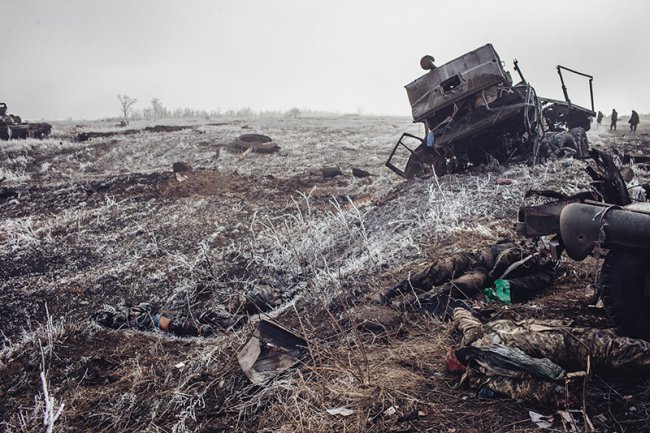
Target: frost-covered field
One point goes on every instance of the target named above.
(104, 221)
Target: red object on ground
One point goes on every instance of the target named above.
(452, 363)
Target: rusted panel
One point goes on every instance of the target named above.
(271, 350)
(453, 81)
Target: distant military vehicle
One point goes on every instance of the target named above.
(473, 114)
(13, 127)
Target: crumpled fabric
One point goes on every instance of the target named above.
(556, 340)
(144, 317)
(140, 317)
(539, 391)
(500, 360)
(526, 359)
(465, 274)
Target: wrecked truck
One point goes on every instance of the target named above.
(13, 127)
(604, 223)
(474, 114)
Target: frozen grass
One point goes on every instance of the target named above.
(350, 240)
(148, 239)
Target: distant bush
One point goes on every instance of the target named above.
(293, 113)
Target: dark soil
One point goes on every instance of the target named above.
(188, 242)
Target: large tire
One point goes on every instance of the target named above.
(625, 290)
(562, 143)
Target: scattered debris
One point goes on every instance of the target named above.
(271, 350)
(85, 136)
(180, 170)
(181, 167)
(262, 298)
(474, 115)
(328, 172)
(167, 128)
(357, 172)
(13, 127)
(343, 411)
(542, 421)
(636, 158)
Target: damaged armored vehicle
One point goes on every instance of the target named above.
(13, 127)
(474, 114)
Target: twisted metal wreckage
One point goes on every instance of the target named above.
(13, 127)
(473, 114)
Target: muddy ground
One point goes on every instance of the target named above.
(105, 221)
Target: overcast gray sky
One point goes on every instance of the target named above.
(70, 58)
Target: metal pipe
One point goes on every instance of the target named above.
(564, 90)
(575, 72)
(516, 62)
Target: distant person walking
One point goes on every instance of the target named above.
(634, 120)
(599, 117)
(614, 120)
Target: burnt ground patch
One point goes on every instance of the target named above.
(70, 244)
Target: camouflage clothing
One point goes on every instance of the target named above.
(557, 340)
(521, 358)
(143, 317)
(138, 317)
(539, 391)
(465, 274)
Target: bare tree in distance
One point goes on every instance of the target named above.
(294, 113)
(157, 109)
(126, 104)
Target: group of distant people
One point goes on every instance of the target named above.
(634, 120)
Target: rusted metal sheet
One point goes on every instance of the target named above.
(453, 81)
(271, 350)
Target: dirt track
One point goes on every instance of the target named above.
(103, 221)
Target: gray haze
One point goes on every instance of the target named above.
(71, 58)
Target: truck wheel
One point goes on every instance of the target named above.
(563, 140)
(625, 290)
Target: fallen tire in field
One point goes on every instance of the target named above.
(257, 143)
